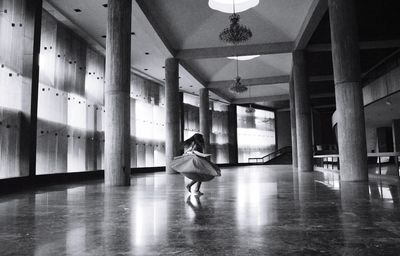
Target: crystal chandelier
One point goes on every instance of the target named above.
(235, 33)
(237, 86)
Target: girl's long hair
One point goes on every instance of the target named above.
(197, 138)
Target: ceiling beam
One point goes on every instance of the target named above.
(241, 50)
(323, 78)
(365, 45)
(152, 18)
(329, 106)
(199, 78)
(314, 16)
(261, 99)
(251, 82)
(322, 95)
(324, 106)
(280, 97)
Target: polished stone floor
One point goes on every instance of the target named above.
(256, 210)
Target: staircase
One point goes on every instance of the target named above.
(281, 156)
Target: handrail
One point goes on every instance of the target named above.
(331, 161)
(382, 154)
(270, 156)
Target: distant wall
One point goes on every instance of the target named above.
(255, 132)
(324, 133)
(383, 85)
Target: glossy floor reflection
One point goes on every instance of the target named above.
(255, 210)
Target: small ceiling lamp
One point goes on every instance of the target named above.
(226, 5)
(237, 86)
(247, 57)
(266, 120)
(250, 109)
(235, 33)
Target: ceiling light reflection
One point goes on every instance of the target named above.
(247, 57)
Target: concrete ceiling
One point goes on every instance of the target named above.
(191, 29)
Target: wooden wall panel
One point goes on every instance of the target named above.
(70, 102)
(10, 124)
(16, 51)
(147, 123)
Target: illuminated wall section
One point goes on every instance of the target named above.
(219, 133)
(16, 51)
(71, 107)
(219, 126)
(70, 103)
(147, 123)
(256, 133)
(191, 115)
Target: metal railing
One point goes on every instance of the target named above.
(385, 163)
(270, 156)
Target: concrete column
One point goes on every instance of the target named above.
(181, 117)
(396, 135)
(232, 134)
(204, 116)
(117, 89)
(33, 28)
(172, 115)
(303, 113)
(348, 91)
(293, 122)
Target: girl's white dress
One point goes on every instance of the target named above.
(195, 165)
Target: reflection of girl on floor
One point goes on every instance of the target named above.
(195, 165)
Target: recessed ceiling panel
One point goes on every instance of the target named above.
(225, 69)
(193, 24)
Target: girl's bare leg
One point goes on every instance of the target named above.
(198, 188)
(188, 186)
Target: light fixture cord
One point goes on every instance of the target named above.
(237, 66)
(234, 11)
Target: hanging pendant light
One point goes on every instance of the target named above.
(250, 109)
(237, 86)
(235, 33)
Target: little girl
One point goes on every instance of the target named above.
(195, 165)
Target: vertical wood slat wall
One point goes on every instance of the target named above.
(71, 107)
(70, 103)
(147, 123)
(16, 50)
